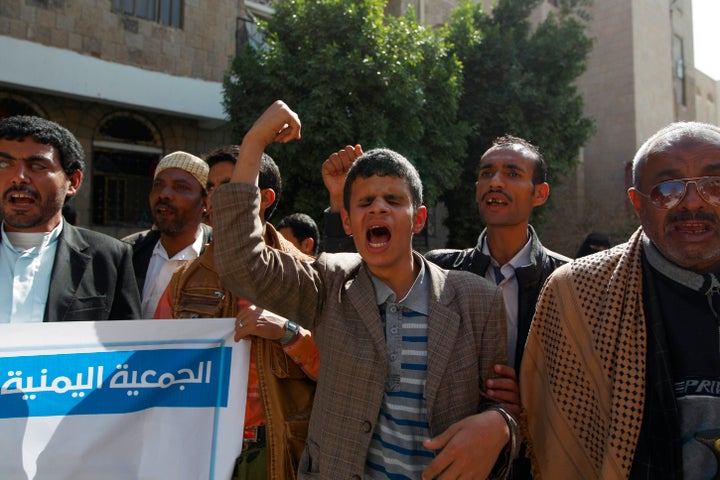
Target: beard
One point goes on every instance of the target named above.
(176, 221)
(41, 212)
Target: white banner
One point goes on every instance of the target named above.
(144, 399)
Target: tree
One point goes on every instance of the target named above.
(354, 76)
(520, 81)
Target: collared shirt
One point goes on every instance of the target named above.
(160, 272)
(510, 290)
(396, 449)
(29, 272)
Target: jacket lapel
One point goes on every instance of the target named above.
(361, 293)
(68, 271)
(443, 325)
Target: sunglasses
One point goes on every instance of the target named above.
(666, 195)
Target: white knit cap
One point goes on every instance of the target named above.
(195, 166)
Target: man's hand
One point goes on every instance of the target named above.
(505, 390)
(253, 320)
(277, 124)
(334, 171)
(468, 448)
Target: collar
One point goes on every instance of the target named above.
(24, 241)
(707, 284)
(521, 258)
(417, 298)
(190, 252)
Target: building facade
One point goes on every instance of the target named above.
(132, 79)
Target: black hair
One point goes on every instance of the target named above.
(19, 127)
(540, 171)
(269, 172)
(384, 162)
(302, 226)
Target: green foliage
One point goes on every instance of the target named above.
(518, 80)
(354, 76)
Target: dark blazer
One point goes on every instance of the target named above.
(531, 278)
(143, 244)
(92, 279)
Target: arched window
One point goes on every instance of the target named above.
(126, 149)
(11, 104)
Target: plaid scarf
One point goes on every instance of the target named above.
(582, 379)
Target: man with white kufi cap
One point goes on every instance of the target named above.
(178, 203)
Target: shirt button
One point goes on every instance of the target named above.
(393, 330)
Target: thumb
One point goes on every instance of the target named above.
(438, 442)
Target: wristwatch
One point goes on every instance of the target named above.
(291, 332)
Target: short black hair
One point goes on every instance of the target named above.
(269, 172)
(540, 171)
(222, 154)
(302, 226)
(384, 162)
(19, 127)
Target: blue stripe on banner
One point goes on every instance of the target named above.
(114, 382)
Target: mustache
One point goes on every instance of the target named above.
(164, 204)
(496, 191)
(688, 215)
(19, 189)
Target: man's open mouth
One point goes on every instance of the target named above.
(378, 235)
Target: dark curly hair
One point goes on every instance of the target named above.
(19, 127)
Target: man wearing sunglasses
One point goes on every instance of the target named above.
(621, 373)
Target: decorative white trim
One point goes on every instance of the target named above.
(128, 147)
(32, 66)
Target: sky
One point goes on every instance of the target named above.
(706, 36)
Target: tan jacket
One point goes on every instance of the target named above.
(286, 392)
(335, 297)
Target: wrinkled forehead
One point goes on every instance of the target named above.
(678, 151)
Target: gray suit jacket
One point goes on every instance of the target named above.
(335, 297)
(92, 279)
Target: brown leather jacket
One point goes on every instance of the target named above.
(286, 392)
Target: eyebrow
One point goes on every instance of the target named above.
(31, 157)
(507, 166)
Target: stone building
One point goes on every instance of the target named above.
(132, 79)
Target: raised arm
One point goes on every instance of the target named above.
(334, 171)
(277, 124)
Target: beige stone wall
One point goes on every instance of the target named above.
(202, 48)
(707, 91)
